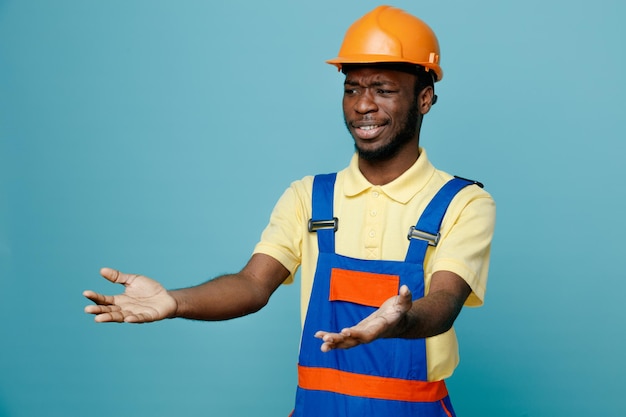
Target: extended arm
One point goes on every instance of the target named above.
(235, 295)
(145, 300)
(400, 317)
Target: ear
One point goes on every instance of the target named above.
(425, 99)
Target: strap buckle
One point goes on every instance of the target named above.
(419, 234)
(315, 225)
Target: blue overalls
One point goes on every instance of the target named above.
(387, 377)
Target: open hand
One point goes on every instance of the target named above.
(144, 300)
(380, 323)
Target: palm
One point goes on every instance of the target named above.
(144, 300)
(388, 315)
(374, 326)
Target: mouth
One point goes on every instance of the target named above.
(367, 130)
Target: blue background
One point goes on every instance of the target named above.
(155, 137)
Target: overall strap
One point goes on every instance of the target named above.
(322, 221)
(426, 232)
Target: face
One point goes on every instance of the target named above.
(381, 111)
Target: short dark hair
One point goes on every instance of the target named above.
(426, 77)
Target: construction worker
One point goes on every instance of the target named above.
(389, 249)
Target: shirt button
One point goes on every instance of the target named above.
(375, 194)
(373, 213)
(372, 233)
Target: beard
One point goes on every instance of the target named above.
(407, 132)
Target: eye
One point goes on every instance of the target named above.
(384, 92)
(349, 91)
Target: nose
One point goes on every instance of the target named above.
(365, 103)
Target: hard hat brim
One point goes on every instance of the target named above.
(378, 59)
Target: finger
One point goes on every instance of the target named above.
(334, 342)
(405, 297)
(367, 330)
(116, 276)
(98, 298)
(405, 292)
(326, 347)
(139, 318)
(99, 309)
(329, 344)
(113, 316)
(326, 336)
(356, 336)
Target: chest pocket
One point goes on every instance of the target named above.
(364, 288)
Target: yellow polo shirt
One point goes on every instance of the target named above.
(373, 224)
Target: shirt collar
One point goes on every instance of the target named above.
(402, 189)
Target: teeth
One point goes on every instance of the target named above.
(370, 127)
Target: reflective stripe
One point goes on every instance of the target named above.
(365, 288)
(368, 386)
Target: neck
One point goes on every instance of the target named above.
(384, 172)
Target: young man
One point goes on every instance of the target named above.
(390, 248)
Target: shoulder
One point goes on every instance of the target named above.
(471, 192)
(304, 186)
(297, 198)
(301, 189)
(472, 204)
